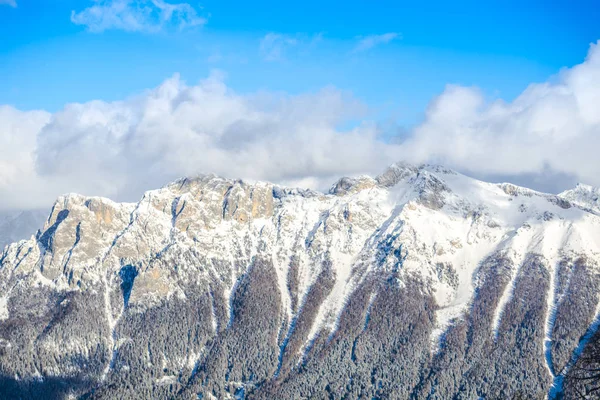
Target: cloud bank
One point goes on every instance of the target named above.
(136, 16)
(119, 149)
(553, 125)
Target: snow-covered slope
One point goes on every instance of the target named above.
(412, 223)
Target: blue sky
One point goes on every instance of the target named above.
(46, 60)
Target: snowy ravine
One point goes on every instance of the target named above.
(420, 282)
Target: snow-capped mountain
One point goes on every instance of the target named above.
(585, 196)
(419, 283)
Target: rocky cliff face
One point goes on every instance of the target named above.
(419, 283)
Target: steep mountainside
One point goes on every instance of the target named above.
(420, 283)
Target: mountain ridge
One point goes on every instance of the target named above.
(322, 260)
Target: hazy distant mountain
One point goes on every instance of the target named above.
(420, 283)
(19, 225)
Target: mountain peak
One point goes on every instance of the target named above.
(583, 195)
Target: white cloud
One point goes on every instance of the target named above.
(137, 16)
(551, 126)
(368, 42)
(19, 182)
(119, 149)
(275, 46)
(11, 3)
